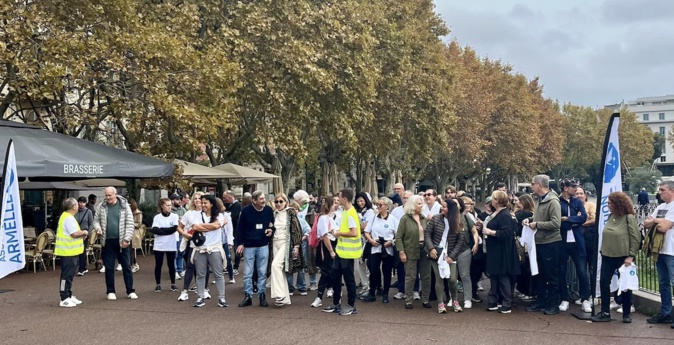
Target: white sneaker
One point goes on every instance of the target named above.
(207, 295)
(112, 296)
(119, 267)
(67, 303)
(578, 302)
(399, 295)
(132, 296)
(479, 286)
(614, 306)
(317, 303)
(330, 292)
(75, 300)
(587, 307)
(467, 304)
(102, 270)
(564, 306)
(233, 281)
(417, 296)
(178, 277)
(182, 274)
(632, 310)
(184, 296)
(134, 268)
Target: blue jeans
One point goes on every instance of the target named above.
(665, 267)
(305, 251)
(571, 250)
(301, 283)
(228, 254)
(179, 258)
(250, 256)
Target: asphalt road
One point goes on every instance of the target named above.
(30, 314)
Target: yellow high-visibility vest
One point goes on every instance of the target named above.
(349, 247)
(67, 245)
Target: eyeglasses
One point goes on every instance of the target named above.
(278, 202)
(429, 194)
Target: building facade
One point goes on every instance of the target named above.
(657, 113)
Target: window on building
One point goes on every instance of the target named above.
(662, 159)
(661, 116)
(662, 130)
(645, 117)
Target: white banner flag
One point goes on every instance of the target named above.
(611, 181)
(12, 248)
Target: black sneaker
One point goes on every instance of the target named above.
(627, 319)
(552, 311)
(174, 288)
(222, 303)
(476, 300)
(409, 306)
(303, 292)
(199, 303)
(192, 288)
(660, 319)
(535, 308)
(426, 305)
(505, 310)
(157, 288)
(602, 317)
(246, 301)
(263, 300)
(384, 299)
(368, 298)
(492, 307)
(332, 309)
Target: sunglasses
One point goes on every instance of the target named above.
(429, 194)
(278, 202)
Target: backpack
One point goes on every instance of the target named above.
(314, 241)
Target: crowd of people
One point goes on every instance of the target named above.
(437, 247)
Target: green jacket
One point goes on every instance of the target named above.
(548, 218)
(407, 236)
(621, 237)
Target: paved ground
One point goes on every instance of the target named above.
(30, 314)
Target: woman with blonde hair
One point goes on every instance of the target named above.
(287, 256)
(410, 245)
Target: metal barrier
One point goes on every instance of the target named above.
(648, 276)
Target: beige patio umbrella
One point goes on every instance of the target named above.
(198, 171)
(245, 174)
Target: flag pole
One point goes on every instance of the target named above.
(594, 270)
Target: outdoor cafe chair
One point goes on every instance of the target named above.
(49, 251)
(35, 254)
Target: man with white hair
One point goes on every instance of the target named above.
(69, 246)
(113, 221)
(302, 198)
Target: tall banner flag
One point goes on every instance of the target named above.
(611, 182)
(12, 248)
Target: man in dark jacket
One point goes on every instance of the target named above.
(253, 231)
(85, 218)
(573, 245)
(234, 208)
(642, 197)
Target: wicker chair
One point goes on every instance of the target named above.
(35, 254)
(48, 252)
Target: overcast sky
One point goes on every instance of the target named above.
(589, 52)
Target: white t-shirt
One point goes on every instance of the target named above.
(385, 228)
(337, 217)
(70, 226)
(326, 223)
(398, 212)
(192, 218)
(431, 211)
(165, 243)
(666, 211)
(368, 216)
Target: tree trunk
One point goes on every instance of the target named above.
(325, 178)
